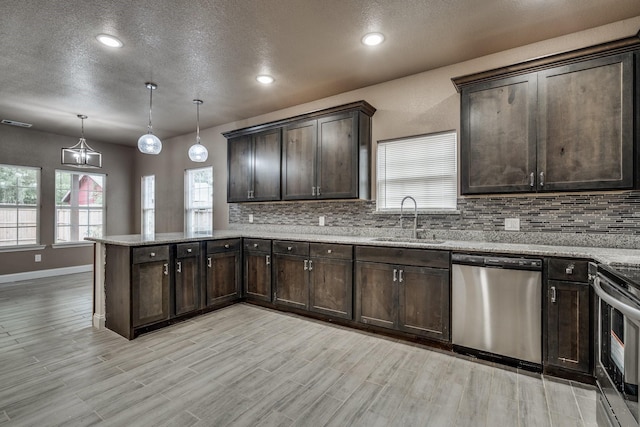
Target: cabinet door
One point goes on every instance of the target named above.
(376, 294)
(240, 168)
(223, 277)
(257, 276)
(424, 301)
(498, 136)
(585, 137)
(568, 325)
(291, 276)
(337, 167)
(150, 292)
(331, 287)
(299, 161)
(266, 172)
(187, 285)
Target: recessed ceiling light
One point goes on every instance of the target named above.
(373, 39)
(265, 79)
(108, 40)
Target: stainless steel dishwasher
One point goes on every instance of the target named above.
(497, 307)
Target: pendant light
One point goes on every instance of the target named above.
(81, 155)
(198, 152)
(149, 143)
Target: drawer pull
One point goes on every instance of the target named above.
(329, 251)
(289, 248)
(255, 245)
(189, 250)
(226, 246)
(152, 254)
(569, 269)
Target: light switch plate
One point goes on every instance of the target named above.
(321, 221)
(38, 258)
(512, 224)
(250, 218)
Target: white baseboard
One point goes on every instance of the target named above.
(38, 274)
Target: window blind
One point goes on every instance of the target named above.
(424, 167)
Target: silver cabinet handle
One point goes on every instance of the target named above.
(532, 178)
(166, 269)
(189, 250)
(395, 275)
(541, 179)
(289, 248)
(553, 294)
(306, 264)
(152, 254)
(255, 245)
(569, 269)
(318, 191)
(401, 279)
(179, 267)
(267, 259)
(226, 246)
(329, 251)
(209, 262)
(310, 264)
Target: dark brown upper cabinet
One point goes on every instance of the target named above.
(254, 167)
(561, 123)
(324, 154)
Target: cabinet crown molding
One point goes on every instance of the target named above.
(361, 105)
(614, 47)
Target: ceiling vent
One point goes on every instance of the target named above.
(14, 123)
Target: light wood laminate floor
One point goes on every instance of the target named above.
(248, 366)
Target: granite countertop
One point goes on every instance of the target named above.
(609, 256)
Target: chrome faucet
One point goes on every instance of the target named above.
(414, 235)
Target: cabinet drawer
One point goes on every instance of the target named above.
(291, 248)
(257, 245)
(186, 250)
(403, 256)
(571, 270)
(227, 245)
(324, 250)
(150, 254)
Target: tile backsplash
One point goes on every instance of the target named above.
(597, 214)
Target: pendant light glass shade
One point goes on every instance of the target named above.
(198, 152)
(81, 155)
(149, 143)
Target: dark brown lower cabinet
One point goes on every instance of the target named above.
(568, 325)
(331, 280)
(291, 287)
(257, 269)
(222, 267)
(150, 285)
(187, 278)
(409, 298)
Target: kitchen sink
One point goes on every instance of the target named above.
(409, 240)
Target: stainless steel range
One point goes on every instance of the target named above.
(617, 361)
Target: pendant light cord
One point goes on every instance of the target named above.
(198, 122)
(150, 104)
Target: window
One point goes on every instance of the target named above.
(148, 204)
(423, 167)
(198, 201)
(80, 206)
(19, 205)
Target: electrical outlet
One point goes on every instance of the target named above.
(38, 257)
(321, 221)
(250, 218)
(512, 224)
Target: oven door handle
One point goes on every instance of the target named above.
(626, 309)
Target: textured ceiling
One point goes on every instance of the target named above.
(52, 67)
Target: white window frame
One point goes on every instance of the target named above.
(421, 166)
(74, 210)
(20, 226)
(148, 205)
(204, 207)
